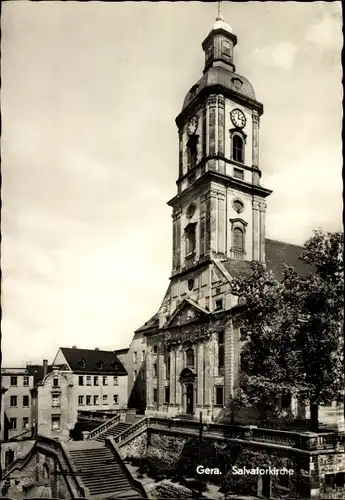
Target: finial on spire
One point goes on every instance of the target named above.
(220, 15)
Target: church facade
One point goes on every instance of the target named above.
(193, 343)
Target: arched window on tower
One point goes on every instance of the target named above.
(238, 245)
(237, 153)
(190, 357)
(192, 152)
(190, 239)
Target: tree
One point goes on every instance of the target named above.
(295, 342)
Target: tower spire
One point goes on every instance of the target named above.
(220, 15)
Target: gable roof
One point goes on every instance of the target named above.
(151, 323)
(182, 306)
(95, 361)
(38, 372)
(278, 253)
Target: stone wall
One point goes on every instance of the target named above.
(165, 489)
(135, 448)
(40, 470)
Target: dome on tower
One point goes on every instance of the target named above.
(220, 24)
(220, 77)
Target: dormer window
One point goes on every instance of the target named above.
(100, 365)
(193, 90)
(82, 363)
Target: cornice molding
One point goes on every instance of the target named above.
(224, 91)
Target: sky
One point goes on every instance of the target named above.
(90, 92)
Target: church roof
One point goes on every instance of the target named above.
(95, 361)
(220, 76)
(151, 323)
(278, 253)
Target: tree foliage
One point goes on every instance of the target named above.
(295, 340)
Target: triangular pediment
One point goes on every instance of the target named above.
(186, 312)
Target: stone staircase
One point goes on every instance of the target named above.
(102, 473)
(112, 431)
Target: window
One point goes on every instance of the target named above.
(167, 394)
(238, 173)
(81, 380)
(115, 381)
(237, 148)
(25, 380)
(95, 400)
(219, 304)
(190, 239)
(105, 399)
(190, 284)
(56, 422)
(155, 371)
(226, 48)
(221, 353)
(192, 153)
(13, 401)
(95, 381)
(25, 423)
(142, 356)
(80, 400)
(155, 395)
(14, 381)
(190, 357)
(88, 400)
(219, 396)
(26, 401)
(9, 457)
(55, 399)
(168, 366)
(155, 349)
(135, 374)
(243, 334)
(135, 357)
(105, 380)
(238, 236)
(13, 423)
(142, 375)
(55, 382)
(116, 399)
(82, 363)
(88, 380)
(238, 205)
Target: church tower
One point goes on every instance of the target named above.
(219, 209)
(194, 341)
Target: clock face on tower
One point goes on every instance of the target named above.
(238, 118)
(192, 125)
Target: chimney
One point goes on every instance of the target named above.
(96, 348)
(45, 367)
(74, 347)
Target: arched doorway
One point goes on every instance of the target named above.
(188, 383)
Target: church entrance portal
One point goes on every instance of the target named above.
(190, 399)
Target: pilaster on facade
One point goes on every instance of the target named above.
(149, 375)
(172, 355)
(263, 231)
(200, 372)
(161, 374)
(256, 229)
(178, 371)
(255, 142)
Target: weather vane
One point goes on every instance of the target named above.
(220, 15)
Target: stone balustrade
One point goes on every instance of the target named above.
(111, 422)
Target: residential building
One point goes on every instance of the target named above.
(16, 401)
